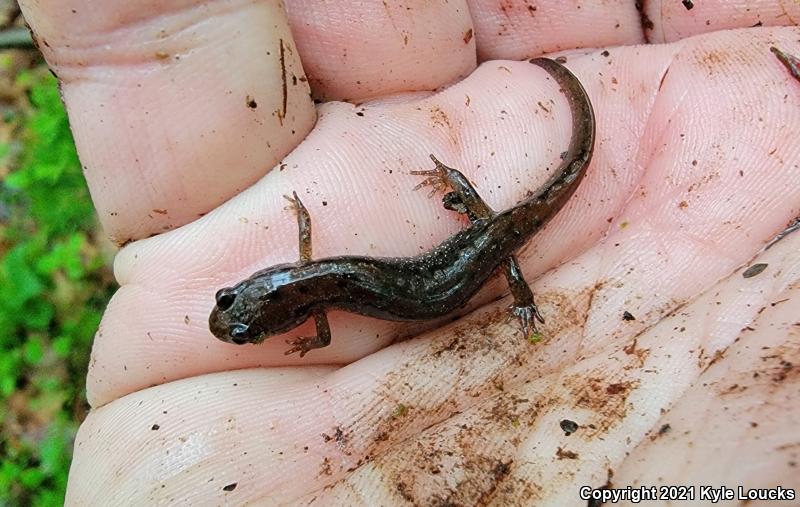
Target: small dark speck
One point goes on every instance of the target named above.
(251, 102)
(565, 454)
(626, 315)
(360, 113)
(568, 426)
(664, 429)
(757, 24)
(688, 4)
(754, 270)
(467, 36)
(155, 427)
(605, 53)
(230, 487)
(324, 203)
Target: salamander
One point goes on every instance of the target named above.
(426, 286)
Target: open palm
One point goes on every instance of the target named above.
(664, 359)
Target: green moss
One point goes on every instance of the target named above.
(53, 288)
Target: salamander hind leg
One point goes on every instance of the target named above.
(524, 307)
(304, 344)
(463, 198)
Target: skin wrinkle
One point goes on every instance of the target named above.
(623, 204)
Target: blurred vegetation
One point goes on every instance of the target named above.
(54, 284)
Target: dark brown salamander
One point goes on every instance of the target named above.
(430, 285)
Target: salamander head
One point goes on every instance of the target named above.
(268, 303)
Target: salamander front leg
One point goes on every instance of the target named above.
(523, 308)
(303, 225)
(304, 344)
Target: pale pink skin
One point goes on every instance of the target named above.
(702, 388)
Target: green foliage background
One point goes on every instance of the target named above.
(54, 284)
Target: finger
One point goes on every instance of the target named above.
(666, 21)
(518, 30)
(467, 413)
(357, 50)
(174, 107)
(155, 329)
(174, 423)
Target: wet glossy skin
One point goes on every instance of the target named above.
(430, 285)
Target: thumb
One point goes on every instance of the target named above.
(166, 101)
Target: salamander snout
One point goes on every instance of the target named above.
(224, 322)
(268, 303)
(238, 333)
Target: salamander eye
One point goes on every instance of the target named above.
(225, 298)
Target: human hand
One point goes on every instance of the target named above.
(695, 169)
